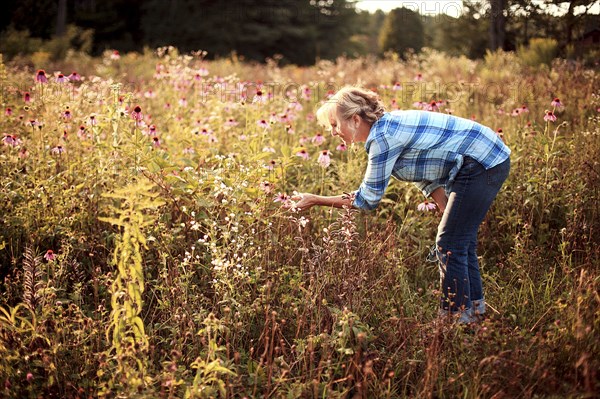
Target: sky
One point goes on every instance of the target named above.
(432, 7)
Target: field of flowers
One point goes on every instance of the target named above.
(144, 251)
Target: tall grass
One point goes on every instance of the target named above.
(215, 291)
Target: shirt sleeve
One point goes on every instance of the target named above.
(377, 176)
(428, 187)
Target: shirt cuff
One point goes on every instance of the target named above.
(428, 187)
(361, 203)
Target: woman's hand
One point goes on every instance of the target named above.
(301, 201)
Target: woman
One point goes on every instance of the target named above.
(459, 163)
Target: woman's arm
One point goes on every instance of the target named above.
(305, 201)
(439, 196)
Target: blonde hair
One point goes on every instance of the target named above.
(350, 101)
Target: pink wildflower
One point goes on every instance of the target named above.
(524, 109)
(263, 124)
(419, 77)
(74, 77)
(426, 206)
(58, 150)
(550, 117)
(341, 147)
(318, 139)
(397, 86)
(60, 78)
(556, 103)
(136, 114)
(41, 76)
(324, 158)
(432, 106)
(49, 256)
(266, 187)
(27, 97)
(67, 114)
(115, 55)
(302, 154)
(155, 141)
(231, 122)
(271, 165)
(282, 197)
(8, 111)
(516, 112)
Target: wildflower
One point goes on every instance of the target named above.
(419, 104)
(67, 114)
(394, 104)
(183, 102)
(263, 124)
(58, 150)
(268, 149)
(23, 153)
(115, 55)
(432, 106)
(11, 140)
(49, 256)
(500, 133)
(60, 78)
(266, 187)
(303, 140)
(155, 141)
(41, 76)
(324, 158)
(27, 97)
(92, 120)
(189, 150)
(449, 111)
(302, 154)
(524, 109)
(281, 197)
(8, 111)
(419, 77)
(426, 206)
(258, 97)
(149, 94)
(318, 139)
(556, 103)
(397, 86)
(289, 129)
(29, 377)
(152, 130)
(516, 112)
(74, 77)
(341, 147)
(137, 113)
(550, 117)
(231, 122)
(271, 165)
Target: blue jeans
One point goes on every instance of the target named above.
(469, 199)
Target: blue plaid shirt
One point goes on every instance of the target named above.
(426, 148)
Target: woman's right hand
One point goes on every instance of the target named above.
(301, 201)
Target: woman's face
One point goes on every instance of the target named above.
(345, 129)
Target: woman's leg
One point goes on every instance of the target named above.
(469, 199)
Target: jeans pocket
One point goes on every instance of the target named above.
(498, 174)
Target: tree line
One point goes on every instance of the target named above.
(295, 31)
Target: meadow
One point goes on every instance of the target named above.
(145, 252)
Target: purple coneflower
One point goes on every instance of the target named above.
(550, 117)
(556, 103)
(58, 150)
(49, 256)
(263, 124)
(341, 147)
(136, 114)
(318, 139)
(27, 97)
(302, 154)
(41, 76)
(426, 206)
(60, 78)
(8, 111)
(74, 77)
(324, 158)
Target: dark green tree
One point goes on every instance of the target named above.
(402, 30)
